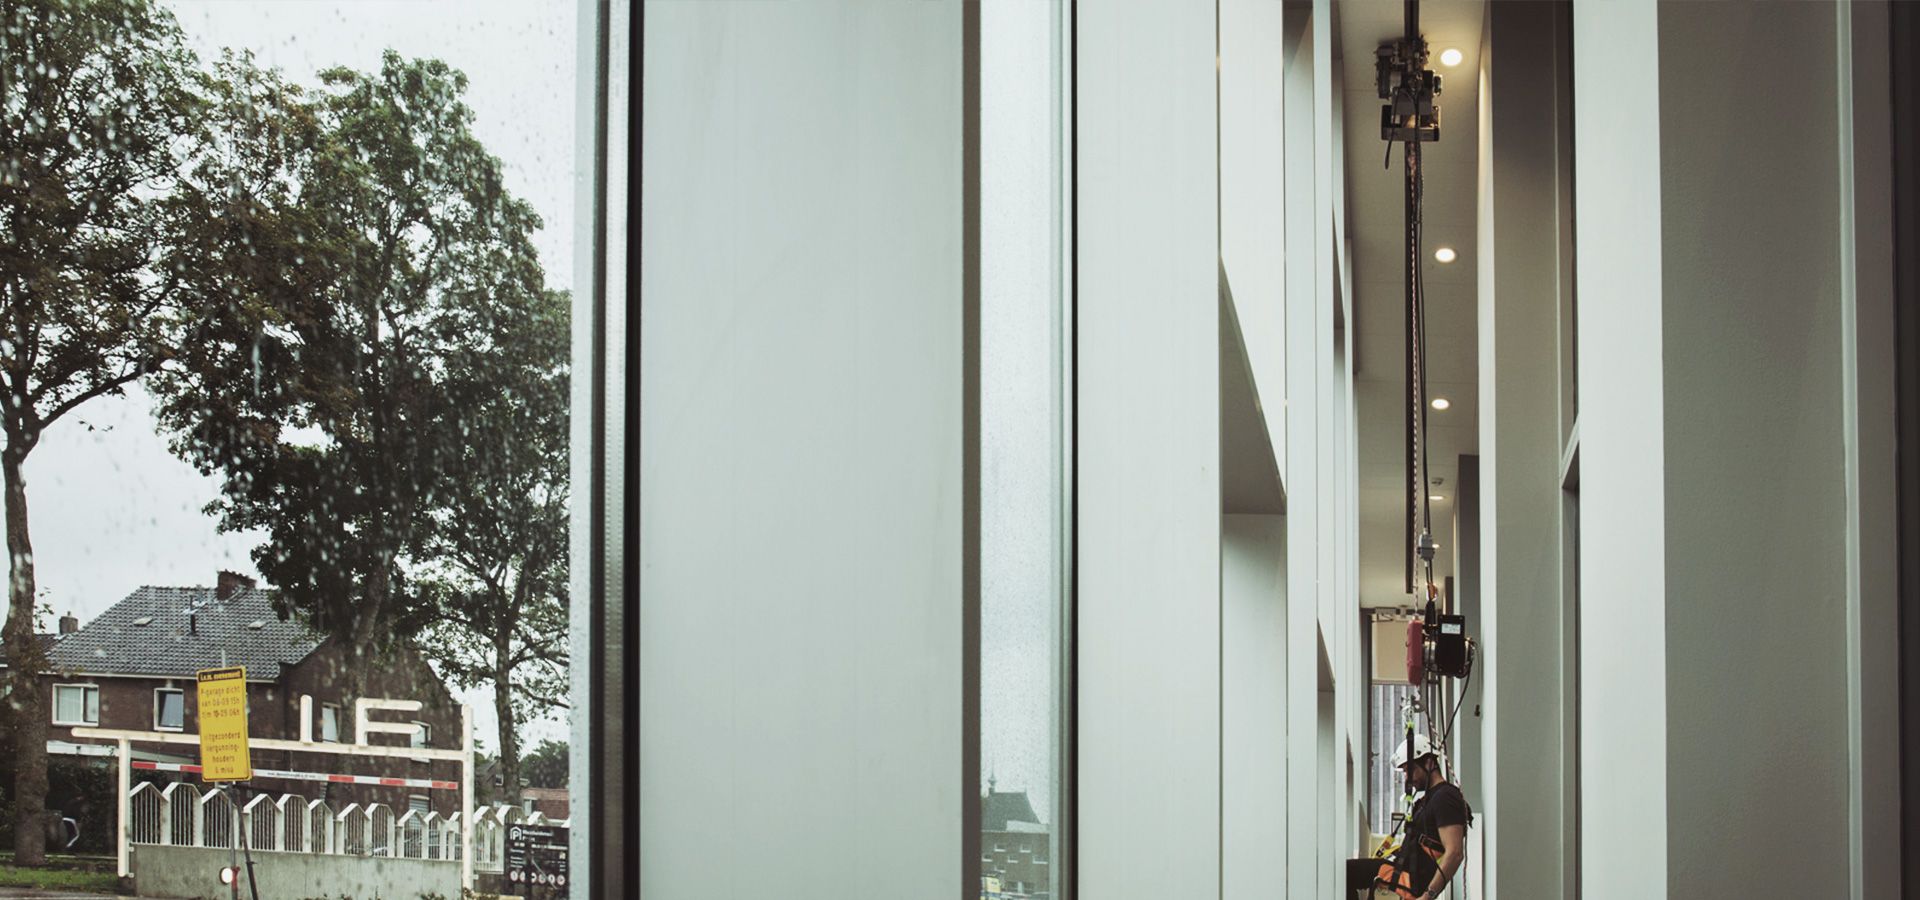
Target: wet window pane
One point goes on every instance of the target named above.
(286, 293)
(1388, 709)
(1022, 483)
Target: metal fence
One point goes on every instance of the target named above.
(180, 814)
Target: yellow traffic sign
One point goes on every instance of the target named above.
(223, 725)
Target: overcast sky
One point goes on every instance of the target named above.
(112, 508)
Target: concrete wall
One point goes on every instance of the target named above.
(1521, 450)
(194, 872)
(1470, 734)
(1252, 196)
(1310, 475)
(1756, 499)
(1733, 394)
(1623, 584)
(1303, 555)
(1253, 726)
(1147, 450)
(801, 616)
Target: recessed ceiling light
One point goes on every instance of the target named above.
(1451, 56)
(1441, 403)
(1445, 254)
(1435, 498)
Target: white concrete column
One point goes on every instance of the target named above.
(801, 610)
(1522, 757)
(1623, 583)
(1148, 450)
(1307, 314)
(1763, 459)
(1253, 729)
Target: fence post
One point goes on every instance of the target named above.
(466, 797)
(124, 868)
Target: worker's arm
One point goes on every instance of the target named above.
(1453, 842)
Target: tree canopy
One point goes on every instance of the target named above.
(100, 107)
(380, 245)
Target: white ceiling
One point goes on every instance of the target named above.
(1375, 222)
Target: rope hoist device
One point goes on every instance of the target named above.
(1438, 646)
(1437, 642)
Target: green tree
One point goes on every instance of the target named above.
(370, 233)
(498, 543)
(96, 97)
(546, 765)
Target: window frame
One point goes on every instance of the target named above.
(157, 724)
(326, 708)
(85, 687)
(605, 411)
(421, 739)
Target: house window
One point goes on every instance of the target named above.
(169, 709)
(76, 704)
(422, 737)
(417, 803)
(330, 723)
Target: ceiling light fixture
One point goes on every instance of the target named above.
(1451, 56)
(1445, 254)
(1435, 497)
(1441, 403)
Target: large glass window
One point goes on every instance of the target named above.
(1024, 480)
(288, 290)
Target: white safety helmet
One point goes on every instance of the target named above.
(1422, 748)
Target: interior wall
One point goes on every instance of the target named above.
(1869, 387)
(1623, 584)
(1469, 742)
(801, 447)
(1253, 727)
(1521, 451)
(1252, 196)
(1904, 32)
(1752, 319)
(1303, 309)
(1148, 552)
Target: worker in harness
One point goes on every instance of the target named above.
(1436, 828)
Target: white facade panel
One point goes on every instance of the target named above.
(1148, 451)
(1303, 310)
(1520, 452)
(1252, 197)
(800, 522)
(1623, 672)
(1756, 440)
(1253, 725)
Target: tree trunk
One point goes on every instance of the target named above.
(25, 665)
(362, 640)
(509, 730)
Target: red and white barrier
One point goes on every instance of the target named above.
(425, 783)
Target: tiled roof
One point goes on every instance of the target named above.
(46, 640)
(1002, 807)
(117, 643)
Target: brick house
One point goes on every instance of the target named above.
(133, 668)
(1014, 847)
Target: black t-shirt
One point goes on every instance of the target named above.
(1420, 854)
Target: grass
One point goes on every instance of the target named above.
(65, 873)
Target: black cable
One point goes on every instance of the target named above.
(1465, 681)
